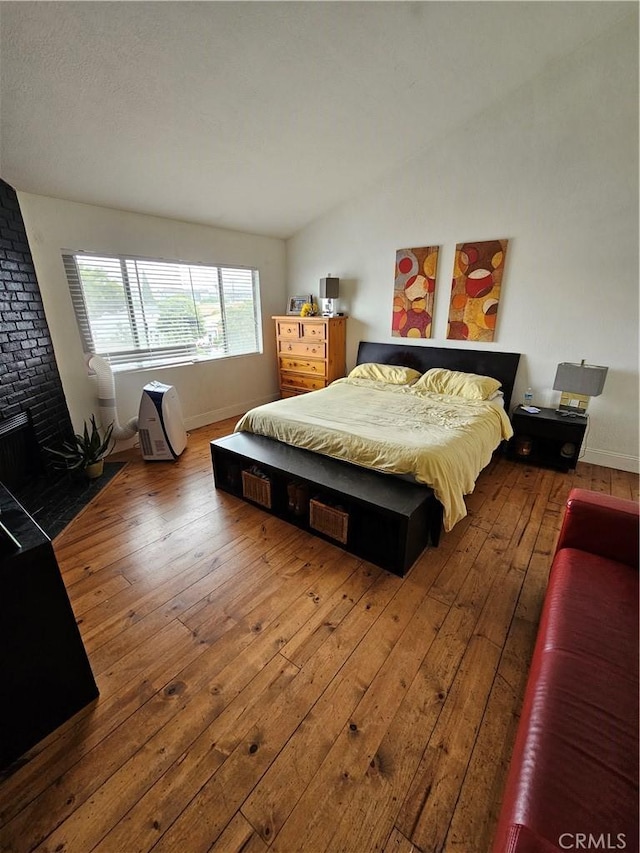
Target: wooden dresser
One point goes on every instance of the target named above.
(311, 352)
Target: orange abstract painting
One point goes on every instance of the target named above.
(475, 290)
(413, 293)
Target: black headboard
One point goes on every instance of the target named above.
(500, 365)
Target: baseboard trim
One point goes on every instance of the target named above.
(607, 459)
(237, 410)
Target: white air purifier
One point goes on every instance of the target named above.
(160, 424)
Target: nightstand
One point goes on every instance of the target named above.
(547, 438)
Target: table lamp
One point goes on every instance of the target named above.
(578, 383)
(329, 290)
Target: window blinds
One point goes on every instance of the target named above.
(137, 312)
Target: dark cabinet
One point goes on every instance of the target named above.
(547, 438)
(44, 669)
(378, 517)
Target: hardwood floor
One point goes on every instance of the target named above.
(260, 689)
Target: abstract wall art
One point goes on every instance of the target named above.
(413, 292)
(475, 290)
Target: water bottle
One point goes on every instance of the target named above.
(528, 397)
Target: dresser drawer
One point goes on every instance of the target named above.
(303, 365)
(301, 381)
(314, 331)
(312, 349)
(289, 329)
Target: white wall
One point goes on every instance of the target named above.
(209, 390)
(554, 168)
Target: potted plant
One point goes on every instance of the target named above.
(86, 452)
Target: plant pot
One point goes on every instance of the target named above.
(94, 470)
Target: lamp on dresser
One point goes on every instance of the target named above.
(577, 384)
(329, 290)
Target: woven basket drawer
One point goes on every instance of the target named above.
(329, 520)
(256, 489)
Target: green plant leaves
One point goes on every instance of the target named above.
(88, 447)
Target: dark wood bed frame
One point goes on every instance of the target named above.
(379, 517)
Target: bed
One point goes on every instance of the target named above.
(401, 439)
(401, 428)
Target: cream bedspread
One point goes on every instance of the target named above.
(443, 441)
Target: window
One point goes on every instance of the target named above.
(139, 313)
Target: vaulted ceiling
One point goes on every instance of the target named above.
(256, 116)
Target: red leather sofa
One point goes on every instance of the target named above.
(573, 777)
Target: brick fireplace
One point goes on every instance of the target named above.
(30, 386)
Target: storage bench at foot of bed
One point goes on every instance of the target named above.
(375, 516)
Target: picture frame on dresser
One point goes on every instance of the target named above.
(294, 305)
